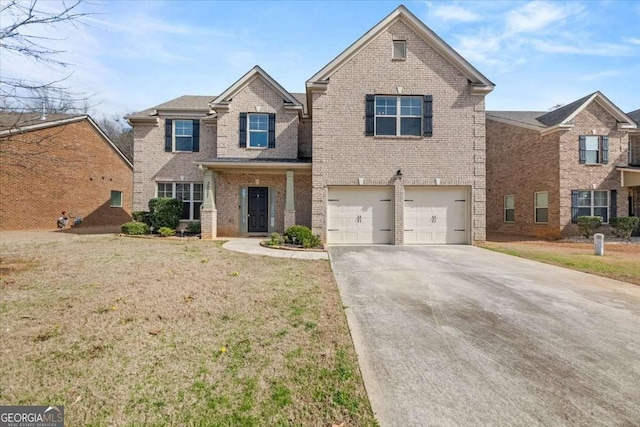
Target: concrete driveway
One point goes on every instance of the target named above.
(458, 335)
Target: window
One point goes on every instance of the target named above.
(189, 192)
(399, 49)
(594, 149)
(182, 135)
(116, 199)
(398, 115)
(509, 208)
(542, 207)
(258, 130)
(591, 203)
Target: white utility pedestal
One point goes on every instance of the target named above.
(598, 243)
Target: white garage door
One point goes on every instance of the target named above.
(360, 215)
(435, 215)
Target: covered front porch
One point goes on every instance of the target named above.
(630, 178)
(245, 197)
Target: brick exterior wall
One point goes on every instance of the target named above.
(521, 162)
(68, 167)
(342, 153)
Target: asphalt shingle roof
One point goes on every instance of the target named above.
(635, 116)
(19, 120)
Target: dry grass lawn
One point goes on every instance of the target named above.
(126, 331)
(621, 261)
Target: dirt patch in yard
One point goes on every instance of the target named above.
(174, 332)
(621, 260)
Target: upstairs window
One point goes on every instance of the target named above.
(182, 135)
(257, 130)
(398, 115)
(593, 149)
(399, 50)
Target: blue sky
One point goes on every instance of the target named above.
(137, 54)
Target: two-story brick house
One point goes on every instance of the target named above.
(544, 169)
(387, 145)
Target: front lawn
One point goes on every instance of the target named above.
(167, 332)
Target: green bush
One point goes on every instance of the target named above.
(165, 212)
(142, 216)
(166, 231)
(193, 227)
(134, 228)
(588, 225)
(301, 235)
(623, 226)
(276, 239)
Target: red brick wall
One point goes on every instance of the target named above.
(68, 167)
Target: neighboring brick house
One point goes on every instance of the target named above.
(544, 169)
(60, 162)
(630, 173)
(386, 146)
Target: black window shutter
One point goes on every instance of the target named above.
(583, 149)
(168, 137)
(574, 206)
(428, 115)
(196, 136)
(243, 130)
(605, 150)
(613, 208)
(272, 130)
(369, 102)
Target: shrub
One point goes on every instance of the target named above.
(623, 226)
(165, 212)
(142, 216)
(166, 231)
(134, 228)
(301, 235)
(588, 224)
(276, 239)
(193, 227)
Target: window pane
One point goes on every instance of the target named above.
(182, 191)
(542, 199)
(197, 191)
(258, 139)
(258, 122)
(584, 198)
(584, 211)
(509, 202)
(410, 126)
(185, 210)
(165, 189)
(386, 106)
(592, 142)
(116, 199)
(385, 126)
(184, 128)
(196, 210)
(591, 156)
(410, 106)
(509, 215)
(601, 212)
(542, 215)
(601, 198)
(399, 49)
(183, 143)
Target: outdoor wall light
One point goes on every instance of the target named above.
(399, 173)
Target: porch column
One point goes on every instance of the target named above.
(209, 213)
(290, 206)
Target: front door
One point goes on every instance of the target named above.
(258, 209)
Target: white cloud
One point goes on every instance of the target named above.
(536, 15)
(453, 13)
(594, 49)
(633, 40)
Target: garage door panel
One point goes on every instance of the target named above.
(435, 215)
(359, 215)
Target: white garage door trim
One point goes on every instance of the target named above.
(360, 215)
(436, 215)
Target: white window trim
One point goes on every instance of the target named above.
(593, 203)
(191, 199)
(393, 50)
(536, 207)
(398, 116)
(111, 198)
(174, 135)
(513, 208)
(249, 146)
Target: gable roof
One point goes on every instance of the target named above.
(18, 123)
(190, 103)
(481, 83)
(561, 118)
(635, 116)
(222, 101)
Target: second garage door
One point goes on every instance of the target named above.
(360, 215)
(435, 215)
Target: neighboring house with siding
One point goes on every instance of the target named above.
(387, 145)
(60, 162)
(544, 169)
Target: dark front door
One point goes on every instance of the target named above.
(258, 209)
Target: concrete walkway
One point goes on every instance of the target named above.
(251, 245)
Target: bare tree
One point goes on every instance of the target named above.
(119, 133)
(18, 20)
